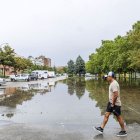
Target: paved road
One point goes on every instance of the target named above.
(36, 132)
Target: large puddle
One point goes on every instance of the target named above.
(69, 103)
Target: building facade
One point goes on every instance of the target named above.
(41, 61)
(8, 70)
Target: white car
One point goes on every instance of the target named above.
(2, 81)
(20, 77)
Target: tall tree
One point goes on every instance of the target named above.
(21, 63)
(7, 57)
(80, 66)
(135, 60)
(71, 67)
(120, 55)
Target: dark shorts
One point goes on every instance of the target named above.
(116, 110)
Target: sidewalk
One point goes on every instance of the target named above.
(39, 132)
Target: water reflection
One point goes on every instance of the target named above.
(130, 96)
(98, 91)
(11, 96)
(76, 85)
(99, 137)
(10, 115)
(7, 91)
(80, 108)
(17, 98)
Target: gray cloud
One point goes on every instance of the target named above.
(63, 29)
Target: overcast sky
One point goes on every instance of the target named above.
(64, 29)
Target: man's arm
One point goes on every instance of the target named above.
(114, 98)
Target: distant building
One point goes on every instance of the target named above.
(46, 61)
(41, 61)
(36, 61)
(8, 70)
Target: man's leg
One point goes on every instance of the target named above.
(121, 122)
(106, 117)
(122, 133)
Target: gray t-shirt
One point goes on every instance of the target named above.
(114, 86)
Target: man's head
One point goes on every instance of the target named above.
(110, 76)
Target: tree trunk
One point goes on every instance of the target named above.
(119, 76)
(135, 75)
(131, 75)
(125, 75)
(4, 71)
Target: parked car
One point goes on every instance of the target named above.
(33, 76)
(20, 77)
(51, 74)
(42, 74)
(2, 81)
(58, 75)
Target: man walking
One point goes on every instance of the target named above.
(113, 106)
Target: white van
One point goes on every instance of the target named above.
(42, 74)
(51, 74)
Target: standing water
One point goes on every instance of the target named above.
(72, 106)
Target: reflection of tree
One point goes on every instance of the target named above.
(71, 85)
(98, 90)
(80, 86)
(130, 97)
(76, 85)
(9, 115)
(17, 98)
(44, 91)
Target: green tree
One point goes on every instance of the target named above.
(62, 70)
(92, 66)
(65, 69)
(71, 68)
(120, 55)
(55, 69)
(80, 66)
(37, 67)
(7, 57)
(135, 60)
(22, 64)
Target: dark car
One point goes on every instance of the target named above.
(33, 76)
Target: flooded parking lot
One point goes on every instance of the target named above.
(66, 109)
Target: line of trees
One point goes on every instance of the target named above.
(8, 58)
(121, 55)
(76, 68)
